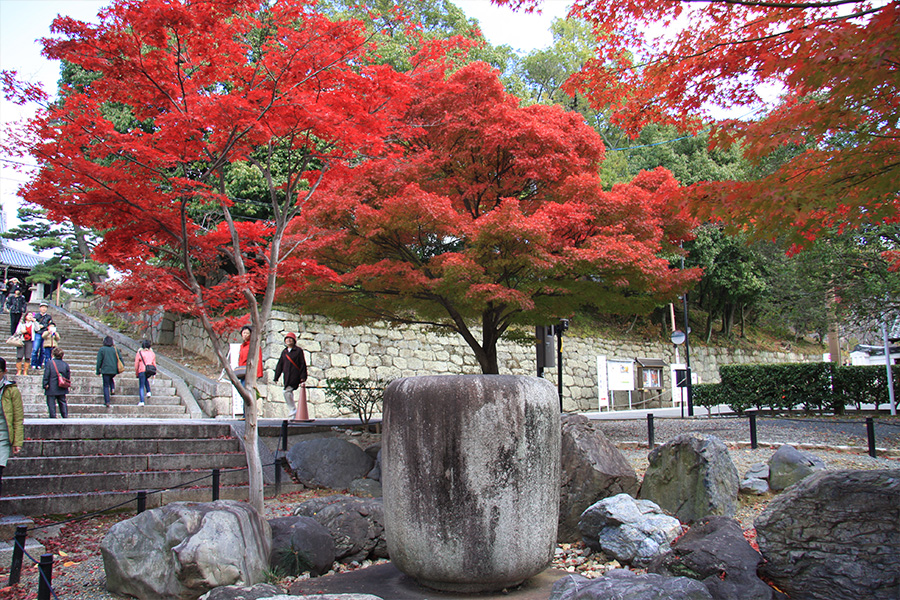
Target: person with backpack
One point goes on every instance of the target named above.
(292, 365)
(109, 364)
(144, 369)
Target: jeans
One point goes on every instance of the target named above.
(37, 352)
(52, 401)
(48, 353)
(109, 386)
(143, 385)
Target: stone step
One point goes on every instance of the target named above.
(63, 465)
(134, 430)
(99, 411)
(123, 399)
(53, 448)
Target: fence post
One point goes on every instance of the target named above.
(215, 484)
(278, 466)
(141, 501)
(870, 434)
(284, 435)
(15, 568)
(45, 576)
(753, 439)
(651, 434)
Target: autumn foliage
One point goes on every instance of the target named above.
(486, 214)
(834, 132)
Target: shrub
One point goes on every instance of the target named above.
(361, 396)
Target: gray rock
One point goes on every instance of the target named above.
(789, 465)
(356, 525)
(368, 488)
(757, 471)
(715, 552)
(260, 591)
(184, 549)
(226, 595)
(471, 479)
(592, 469)
(692, 476)
(375, 452)
(754, 487)
(620, 584)
(631, 531)
(835, 535)
(328, 597)
(330, 463)
(300, 544)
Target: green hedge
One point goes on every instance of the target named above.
(784, 387)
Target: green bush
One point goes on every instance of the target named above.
(707, 395)
(360, 396)
(863, 385)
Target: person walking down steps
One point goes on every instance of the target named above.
(57, 379)
(292, 365)
(109, 364)
(144, 369)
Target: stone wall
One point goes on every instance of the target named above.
(371, 352)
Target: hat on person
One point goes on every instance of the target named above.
(293, 336)
(44, 304)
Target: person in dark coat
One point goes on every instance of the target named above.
(17, 305)
(292, 364)
(108, 366)
(56, 395)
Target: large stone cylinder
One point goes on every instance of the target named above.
(471, 479)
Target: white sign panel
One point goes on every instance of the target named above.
(602, 383)
(620, 374)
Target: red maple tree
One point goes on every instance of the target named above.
(184, 100)
(837, 64)
(487, 214)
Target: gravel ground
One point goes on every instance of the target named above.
(78, 568)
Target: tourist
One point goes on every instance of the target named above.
(44, 319)
(144, 358)
(12, 420)
(55, 369)
(50, 340)
(17, 305)
(292, 364)
(246, 332)
(108, 361)
(26, 331)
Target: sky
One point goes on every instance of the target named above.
(24, 22)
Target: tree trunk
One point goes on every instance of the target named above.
(255, 481)
(85, 250)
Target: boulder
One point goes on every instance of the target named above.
(715, 552)
(692, 476)
(369, 488)
(754, 487)
(620, 584)
(356, 525)
(757, 471)
(835, 535)
(471, 479)
(789, 465)
(260, 591)
(300, 544)
(592, 469)
(631, 531)
(375, 452)
(184, 549)
(330, 463)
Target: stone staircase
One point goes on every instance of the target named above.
(79, 465)
(85, 398)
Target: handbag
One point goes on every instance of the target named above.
(16, 340)
(119, 364)
(150, 370)
(63, 382)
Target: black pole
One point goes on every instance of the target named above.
(651, 434)
(559, 367)
(284, 435)
(687, 356)
(45, 577)
(870, 433)
(141, 501)
(15, 569)
(215, 484)
(753, 440)
(278, 464)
